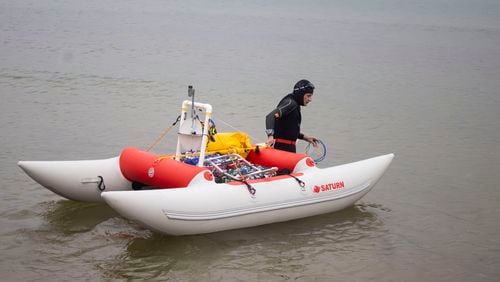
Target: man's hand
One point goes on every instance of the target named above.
(270, 141)
(311, 139)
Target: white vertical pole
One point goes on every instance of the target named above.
(183, 117)
(208, 114)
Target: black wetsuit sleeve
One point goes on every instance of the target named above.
(284, 108)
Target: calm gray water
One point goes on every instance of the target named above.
(83, 79)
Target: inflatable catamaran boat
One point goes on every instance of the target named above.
(214, 181)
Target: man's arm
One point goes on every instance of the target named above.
(283, 109)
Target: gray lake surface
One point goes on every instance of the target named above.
(421, 79)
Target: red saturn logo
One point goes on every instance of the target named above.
(317, 189)
(328, 187)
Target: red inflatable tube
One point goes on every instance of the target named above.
(146, 168)
(269, 157)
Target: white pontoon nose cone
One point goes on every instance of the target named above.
(55, 176)
(77, 180)
(39, 171)
(123, 203)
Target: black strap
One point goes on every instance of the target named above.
(251, 190)
(177, 120)
(286, 171)
(301, 183)
(101, 186)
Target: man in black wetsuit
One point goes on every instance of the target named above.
(283, 123)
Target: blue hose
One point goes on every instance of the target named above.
(319, 153)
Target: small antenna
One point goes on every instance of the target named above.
(190, 91)
(191, 94)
